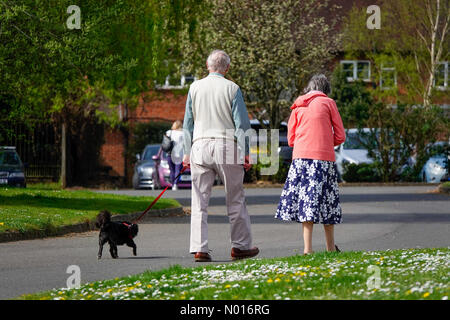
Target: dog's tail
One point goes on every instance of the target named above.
(103, 218)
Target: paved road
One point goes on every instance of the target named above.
(375, 218)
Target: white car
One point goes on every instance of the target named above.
(352, 150)
(434, 170)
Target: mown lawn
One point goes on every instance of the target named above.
(43, 207)
(403, 274)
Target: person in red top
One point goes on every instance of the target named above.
(311, 193)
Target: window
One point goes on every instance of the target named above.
(355, 141)
(388, 78)
(178, 83)
(187, 80)
(149, 152)
(9, 158)
(356, 69)
(441, 76)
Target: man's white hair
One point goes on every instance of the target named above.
(218, 61)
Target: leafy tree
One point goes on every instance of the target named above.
(66, 75)
(352, 98)
(413, 39)
(121, 48)
(403, 119)
(395, 137)
(147, 133)
(397, 133)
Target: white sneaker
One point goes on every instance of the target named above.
(174, 187)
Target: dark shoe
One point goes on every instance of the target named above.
(242, 254)
(336, 248)
(202, 257)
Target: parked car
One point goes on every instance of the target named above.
(282, 131)
(162, 173)
(144, 169)
(285, 153)
(12, 170)
(352, 150)
(435, 169)
(152, 170)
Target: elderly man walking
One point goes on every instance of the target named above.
(215, 115)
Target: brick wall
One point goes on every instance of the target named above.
(162, 105)
(112, 152)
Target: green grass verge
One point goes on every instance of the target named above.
(444, 187)
(404, 274)
(46, 207)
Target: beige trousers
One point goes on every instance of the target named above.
(208, 158)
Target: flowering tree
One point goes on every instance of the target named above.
(274, 47)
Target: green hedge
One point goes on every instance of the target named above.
(147, 133)
(254, 174)
(364, 172)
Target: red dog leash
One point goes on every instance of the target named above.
(157, 198)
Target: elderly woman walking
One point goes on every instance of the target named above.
(311, 194)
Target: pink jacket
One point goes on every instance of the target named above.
(315, 127)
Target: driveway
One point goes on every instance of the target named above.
(375, 218)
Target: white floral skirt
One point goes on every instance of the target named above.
(311, 193)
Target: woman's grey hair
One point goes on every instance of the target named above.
(218, 61)
(319, 82)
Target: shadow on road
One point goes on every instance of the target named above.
(145, 258)
(273, 199)
(350, 218)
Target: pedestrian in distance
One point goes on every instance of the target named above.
(175, 155)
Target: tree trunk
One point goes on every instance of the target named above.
(63, 155)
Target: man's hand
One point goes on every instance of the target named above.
(186, 161)
(247, 165)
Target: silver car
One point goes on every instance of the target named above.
(144, 175)
(435, 169)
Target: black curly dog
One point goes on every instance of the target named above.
(115, 233)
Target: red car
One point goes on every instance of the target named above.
(162, 173)
(152, 170)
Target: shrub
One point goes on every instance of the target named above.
(147, 133)
(281, 175)
(254, 174)
(364, 172)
